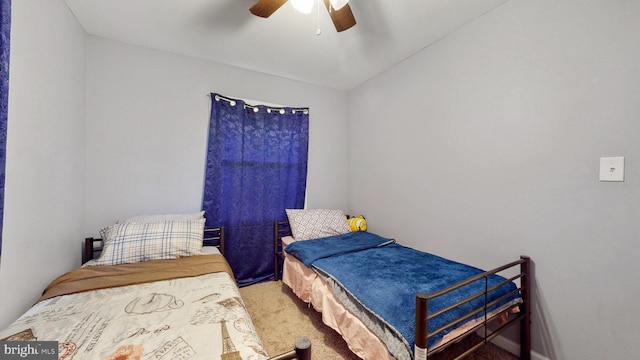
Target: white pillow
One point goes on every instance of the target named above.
(135, 242)
(317, 223)
(163, 217)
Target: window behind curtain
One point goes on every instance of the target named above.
(256, 168)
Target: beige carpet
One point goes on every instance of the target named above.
(280, 318)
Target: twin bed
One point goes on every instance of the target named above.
(392, 302)
(151, 290)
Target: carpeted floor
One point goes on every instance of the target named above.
(280, 318)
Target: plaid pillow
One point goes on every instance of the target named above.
(135, 242)
(317, 223)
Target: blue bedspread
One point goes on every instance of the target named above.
(386, 277)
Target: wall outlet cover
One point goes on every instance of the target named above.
(612, 168)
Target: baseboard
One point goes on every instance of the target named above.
(514, 348)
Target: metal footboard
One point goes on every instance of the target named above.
(524, 315)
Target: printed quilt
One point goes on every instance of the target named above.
(182, 317)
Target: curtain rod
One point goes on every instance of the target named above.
(255, 108)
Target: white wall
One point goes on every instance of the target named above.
(44, 188)
(147, 122)
(486, 145)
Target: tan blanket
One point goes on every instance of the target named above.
(102, 277)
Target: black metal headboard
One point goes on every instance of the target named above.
(212, 237)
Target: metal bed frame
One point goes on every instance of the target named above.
(282, 229)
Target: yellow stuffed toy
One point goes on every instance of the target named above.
(357, 223)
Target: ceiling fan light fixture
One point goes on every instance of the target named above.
(338, 4)
(303, 6)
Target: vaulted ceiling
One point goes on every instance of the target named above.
(285, 44)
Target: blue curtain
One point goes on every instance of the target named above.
(5, 12)
(256, 168)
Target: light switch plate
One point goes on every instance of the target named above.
(612, 168)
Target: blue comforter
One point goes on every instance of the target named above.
(385, 277)
(309, 251)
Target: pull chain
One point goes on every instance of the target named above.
(318, 31)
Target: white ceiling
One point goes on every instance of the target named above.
(285, 44)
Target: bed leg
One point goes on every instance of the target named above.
(525, 322)
(420, 351)
(302, 351)
(276, 267)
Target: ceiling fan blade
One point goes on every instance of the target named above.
(343, 18)
(264, 8)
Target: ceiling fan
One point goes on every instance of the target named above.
(339, 10)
